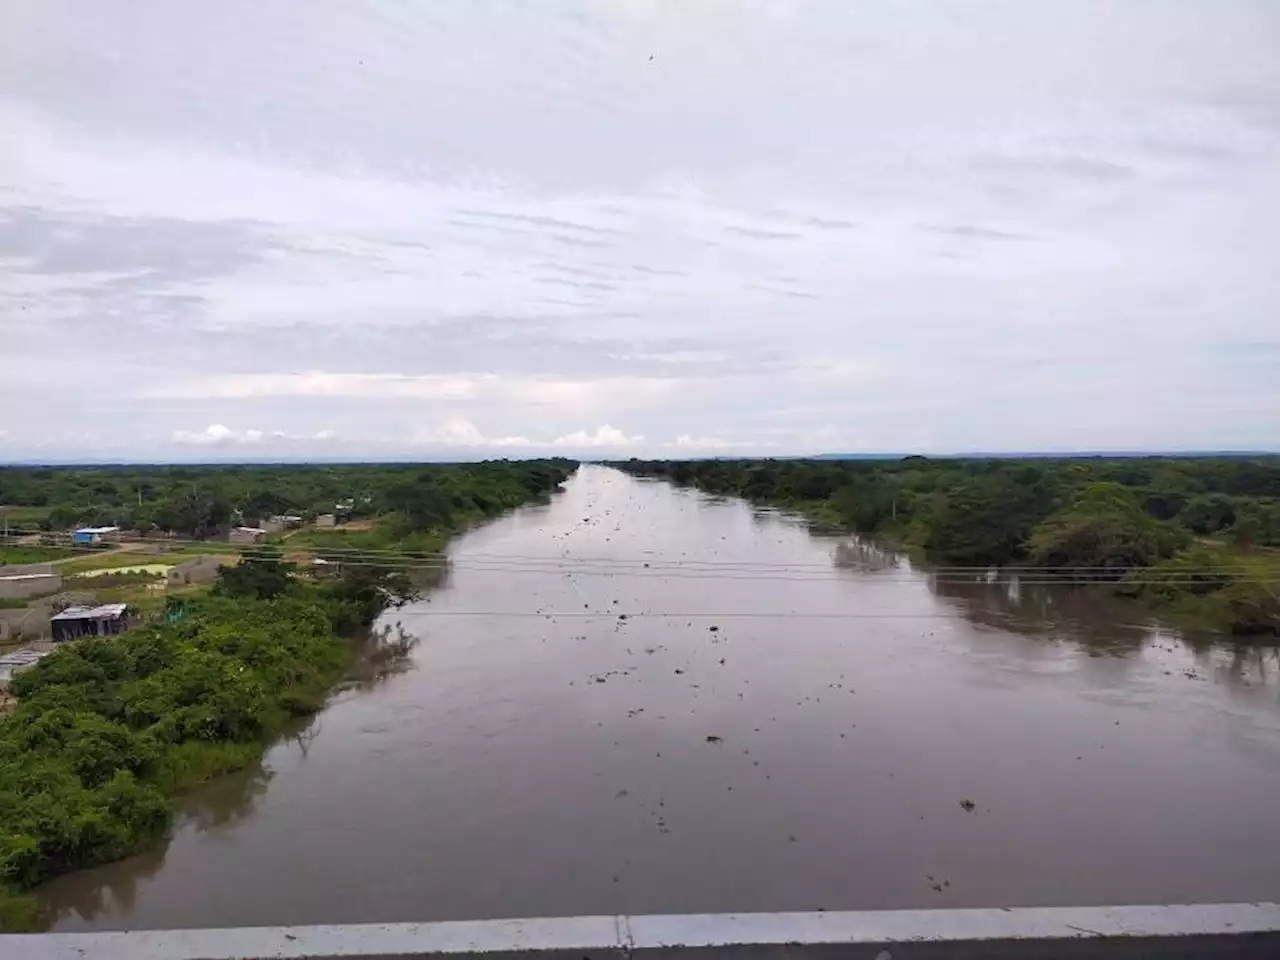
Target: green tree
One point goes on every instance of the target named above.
(1103, 533)
(988, 520)
(262, 575)
(1209, 514)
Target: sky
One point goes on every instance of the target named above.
(335, 229)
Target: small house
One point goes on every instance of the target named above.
(326, 520)
(195, 570)
(102, 621)
(323, 569)
(11, 663)
(95, 534)
(279, 522)
(247, 535)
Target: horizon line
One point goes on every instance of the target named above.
(586, 458)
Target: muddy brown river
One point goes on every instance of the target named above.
(642, 699)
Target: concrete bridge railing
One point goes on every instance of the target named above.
(1200, 931)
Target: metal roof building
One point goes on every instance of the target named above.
(11, 663)
(105, 620)
(94, 534)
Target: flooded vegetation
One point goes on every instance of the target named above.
(641, 698)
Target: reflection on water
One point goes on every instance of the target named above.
(382, 653)
(428, 573)
(639, 699)
(212, 808)
(235, 797)
(867, 556)
(1085, 616)
(86, 897)
(1101, 625)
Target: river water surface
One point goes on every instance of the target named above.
(642, 699)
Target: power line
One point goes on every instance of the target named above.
(1044, 578)
(697, 569)
(650, 561)
(665, 615)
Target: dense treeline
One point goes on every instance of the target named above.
(1085, 518)
(108, 728)
(201, 501)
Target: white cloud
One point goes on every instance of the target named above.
(459, 432)
(686, 442)
(569, 393)
(605, 436)
(216, 434)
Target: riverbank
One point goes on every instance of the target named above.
(1208, 562)
(108, 730)
(1206, 590)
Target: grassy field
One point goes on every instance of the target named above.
(85, 561)
(19, 603)
(35, 554)
(375, 539)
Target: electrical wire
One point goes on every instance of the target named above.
(700, 569)
(652, 561)
(666, 615)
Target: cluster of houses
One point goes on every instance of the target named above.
(41, 580)
(289, 521)
(258, 532)
(243, 533)
(44, 624)
(71, 623)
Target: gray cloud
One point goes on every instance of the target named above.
(980, 233)
(160, 248)
(538, 221)
(1064, 167)
(824, 224)
(758, 234)
(405, 229)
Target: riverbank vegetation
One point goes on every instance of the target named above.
(170, 514)
(107, 730)
(1196, 537)
(427, 502)
(419, 510)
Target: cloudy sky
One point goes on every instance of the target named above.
(326, 228)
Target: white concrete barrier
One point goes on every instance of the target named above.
(1237, 930)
